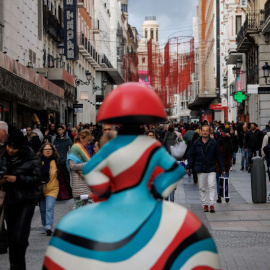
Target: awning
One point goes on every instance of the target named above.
(113, 73)
(233, 57)
(202, 101)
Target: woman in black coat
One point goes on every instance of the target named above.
(22, 183)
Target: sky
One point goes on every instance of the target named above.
(173, 16)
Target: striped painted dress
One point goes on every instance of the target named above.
(132, 229)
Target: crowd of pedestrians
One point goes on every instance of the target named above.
(56, 155)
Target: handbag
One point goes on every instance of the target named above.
(178, 149)
(2, 196)
(224, 187)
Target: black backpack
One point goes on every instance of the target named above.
(266, 149)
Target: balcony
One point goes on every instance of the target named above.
(266, 26)
(52, 25)
(95, 28)
(88, 51)
(253, 25)
(104, 62)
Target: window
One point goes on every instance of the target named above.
(157, 35)
(238, 23)
(152, 33)
(145, 34)
(124, 8)
(143, 59)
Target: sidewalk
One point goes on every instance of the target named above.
(240, 228)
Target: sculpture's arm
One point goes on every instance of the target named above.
(166, 182)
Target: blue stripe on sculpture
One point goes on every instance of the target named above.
(139, 240)
(200, 246)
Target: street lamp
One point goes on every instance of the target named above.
(81, 82)
(237, 68)
(266, 71)
(104, 84)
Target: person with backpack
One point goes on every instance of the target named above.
(266, 151)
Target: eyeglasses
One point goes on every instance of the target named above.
(47, 149)
(107, 129)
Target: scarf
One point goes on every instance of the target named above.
(78, 154)
(45, 169)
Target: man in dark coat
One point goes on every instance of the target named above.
(23, 186)
(202, 158)
(32, 139)
(253, 142)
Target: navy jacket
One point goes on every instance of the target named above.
(205, 163)
(62, 146)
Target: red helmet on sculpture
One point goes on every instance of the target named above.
(132, 103)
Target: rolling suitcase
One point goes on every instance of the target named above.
(258, 180)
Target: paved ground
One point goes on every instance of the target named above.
(241, 228)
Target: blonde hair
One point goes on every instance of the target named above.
(74, 130)
(82, 135)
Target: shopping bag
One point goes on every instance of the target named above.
(2, 196)
(178, 149)
(224, 187)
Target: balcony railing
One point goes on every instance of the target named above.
(88, 50)
(104, 61)
(253, 23)
(52, 25)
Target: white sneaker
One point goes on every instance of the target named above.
(231, 169)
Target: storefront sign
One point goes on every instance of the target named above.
(70, 28)
(263, 90)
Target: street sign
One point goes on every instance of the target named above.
(263, 90)
(77, 106)
(239, 97)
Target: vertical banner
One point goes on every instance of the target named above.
(70, 29)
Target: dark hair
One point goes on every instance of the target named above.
(29, 126)
(171, 128)
(54, 154)
(60, 126)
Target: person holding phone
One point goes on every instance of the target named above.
(22, 183)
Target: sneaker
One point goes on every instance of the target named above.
(219, 200)
(242, 168)
(227, 200)
(212, 209)
(48, 232)
(231, 169)
(205, 208)
(42, 231)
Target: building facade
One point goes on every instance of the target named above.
(64, 52)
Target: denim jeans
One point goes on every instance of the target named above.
(244, 156)
(47, 212)
(218, 174)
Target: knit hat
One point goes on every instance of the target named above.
(16, 139)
